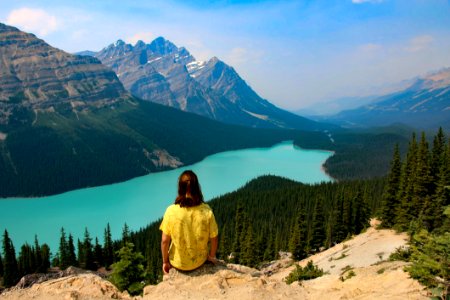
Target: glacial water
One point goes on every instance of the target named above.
(142, 200)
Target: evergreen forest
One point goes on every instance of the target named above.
(271, 214)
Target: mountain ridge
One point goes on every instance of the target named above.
(425, 104)
(67, 122)
(36, 76)
(163, 73)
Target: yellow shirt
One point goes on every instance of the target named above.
(190, 229)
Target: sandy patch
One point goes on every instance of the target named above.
(362, 250)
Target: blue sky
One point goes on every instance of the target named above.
(293, 53)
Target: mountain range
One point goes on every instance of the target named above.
(66, 122)
(424, 104)
(166, 74)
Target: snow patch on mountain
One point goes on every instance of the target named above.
(262, 117)
(194, 67)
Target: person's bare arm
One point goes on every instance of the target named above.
(165, 243)
(213, 249)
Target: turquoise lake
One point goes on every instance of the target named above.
(142, 200)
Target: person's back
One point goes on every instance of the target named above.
(188, 226)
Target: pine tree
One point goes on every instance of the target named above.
(72, 259)
(37, 256)
(318, 235)
(88, 256)
(447, 162)
(1, 265)
(10, 268)
(45, 256)
(423, 179)
(125, 235)
(260, 246)
(269, 252)
(81, 256)
(405, 212)
(224, 245)
(238, 232)
(108, 254)
(98, 254)
(435, 205)
(248, 248)
(128, 273)
(25, 262)
(391, 202)
(340, 232)
(63, 251)
(362, 214)
(438, 157)
(297, 242)
(348, 215)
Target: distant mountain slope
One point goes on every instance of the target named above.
(67, 122)
(163, 73)
(424, 105)
(36, 76)
(320, 110)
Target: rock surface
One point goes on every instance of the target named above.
(163, 73)
(373, 279)
(79, 287)
(36, 76)
(424, 104)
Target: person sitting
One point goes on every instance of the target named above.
(187, 227)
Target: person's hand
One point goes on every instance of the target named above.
(166, 267)
(212, 259)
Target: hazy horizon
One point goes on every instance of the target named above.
(293, 53)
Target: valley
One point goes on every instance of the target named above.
(92, 144)
(142, 200)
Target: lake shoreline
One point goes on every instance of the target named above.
(142, 200)
(165, 170)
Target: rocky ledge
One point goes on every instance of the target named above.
(372, 278)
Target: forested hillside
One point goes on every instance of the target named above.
(357, 154)
(270, 214)
(91, 148)
(417, 199)
(418, 188)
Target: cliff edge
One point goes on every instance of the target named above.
(356, 269)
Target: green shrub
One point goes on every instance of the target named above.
(128, 273)
(310, 271)
(401, 253)
(430, 257)
(349, 275)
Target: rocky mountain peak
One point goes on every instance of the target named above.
(214, 60)
(4, 27)
(162, 46)
(119, 43)
(163, 73)
(440, 79)
(34, 75)
(140, 44)
(432, 81)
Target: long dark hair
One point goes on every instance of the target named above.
(189, 191)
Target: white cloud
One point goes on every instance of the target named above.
(419, 43)
(366, 1)
(142, 36)
(33, 20)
